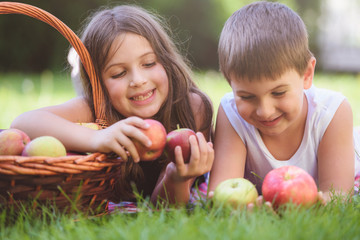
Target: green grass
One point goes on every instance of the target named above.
(334, 221)
(19, 93)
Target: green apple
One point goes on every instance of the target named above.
(235, 193)
(44, 146)
(12, 141)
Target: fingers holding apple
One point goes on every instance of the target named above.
(157, 134)
(179, 137)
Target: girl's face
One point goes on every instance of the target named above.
(137, 83)
(272, 106)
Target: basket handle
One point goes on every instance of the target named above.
(29, 10)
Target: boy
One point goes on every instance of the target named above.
(275, 116)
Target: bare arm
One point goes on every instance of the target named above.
(230, 152)
(175, 182)
(336, 154)
(59, 121)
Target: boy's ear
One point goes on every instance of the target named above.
(309, 73)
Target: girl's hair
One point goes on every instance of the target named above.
(263, 40)
(99, 33)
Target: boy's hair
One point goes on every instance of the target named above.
(263, 40)
(98, 35)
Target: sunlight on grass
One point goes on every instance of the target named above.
(20, 93)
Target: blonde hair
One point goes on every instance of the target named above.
(263, 40)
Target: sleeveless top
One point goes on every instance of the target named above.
(322, 105)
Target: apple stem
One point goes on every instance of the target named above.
(178, 126)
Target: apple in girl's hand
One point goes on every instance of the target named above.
(12, 141)
(179, 137)
(91, 125)
(289, 184)
(157, 134)
(44, 146)
(235, 192)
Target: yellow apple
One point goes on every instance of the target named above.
(44, 146)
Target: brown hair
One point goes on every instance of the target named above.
(99, 33)
(263, 39)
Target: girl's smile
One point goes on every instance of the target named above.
(144, 98)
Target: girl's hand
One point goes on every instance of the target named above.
(118, 138)
(201, 160)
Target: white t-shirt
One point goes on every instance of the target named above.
(322, 105)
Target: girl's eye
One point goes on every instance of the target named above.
(150, 64)
(278, 94)
(119, 75)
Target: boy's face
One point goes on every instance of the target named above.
(272, 106)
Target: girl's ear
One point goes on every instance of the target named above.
(309, 73)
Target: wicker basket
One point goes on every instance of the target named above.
(84, 180)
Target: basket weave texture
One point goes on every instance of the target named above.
(86, 180)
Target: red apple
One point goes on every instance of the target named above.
(179, 137)
(235, 192)
(289, 184)
(13, 141)
(157, 134)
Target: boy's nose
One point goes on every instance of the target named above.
(265, 110)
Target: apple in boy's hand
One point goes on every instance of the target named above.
(289, 184)
(179, 137)
(157, 134)
(235, 192)
(44, 146)
(13, 141)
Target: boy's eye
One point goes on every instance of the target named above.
(118, 75)
(246, 97)
(278, 94)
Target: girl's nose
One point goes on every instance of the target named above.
(137, 79)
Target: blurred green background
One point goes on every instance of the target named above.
(33, 56)
(28, 45)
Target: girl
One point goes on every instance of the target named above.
(142, 76)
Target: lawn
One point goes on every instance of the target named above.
(337, 220)
(19, 93)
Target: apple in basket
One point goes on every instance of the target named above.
(289, 184)
(90, 125)
(235, 193)
(44, 146)
(12, 141)
(157, 134)
(179, 137)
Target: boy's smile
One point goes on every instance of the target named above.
(272, 106)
